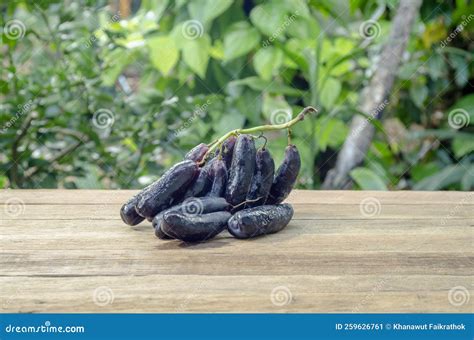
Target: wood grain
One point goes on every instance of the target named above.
(344, 251)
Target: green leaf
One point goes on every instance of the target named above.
(270, 19)
(408, 69)
(275, 109)
(3, 182)
(116, 61)
(258, 84)
(163, 53)
(330, 92)
(297, 8)
(241, 39)
(249, 103)
(461, 67)
(420, 171)
(366, 179)
(196, 54)
(207, 10)
(294, 57)
(267, 61)
(217, 50)
(418, 93)
(466, 104)
(449, 175)
(229, 122)
(462, 146)
(330, 132)
(158, 7)
(131, 41)
(436, 67)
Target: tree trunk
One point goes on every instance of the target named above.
(374, 98)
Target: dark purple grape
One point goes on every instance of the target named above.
(197, 153)
(227, 148)
(241, 170)
(265, 219)
(191, 206)
(203, 182)
(194, 228)
(219, 179)
(159, 195)
(286, 175)
(262, 179)
(128, 213)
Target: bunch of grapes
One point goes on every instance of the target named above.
(226, 184)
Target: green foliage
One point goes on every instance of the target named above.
(127, 96)
(368, 179)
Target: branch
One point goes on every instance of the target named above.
(374, 98)
(214, 145)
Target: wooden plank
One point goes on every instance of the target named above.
(53, 196)
(198, 293)
(296, 236)
(62, 246)
(302, 211)
(191, 260)
(347, 226)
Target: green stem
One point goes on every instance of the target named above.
(261, 128)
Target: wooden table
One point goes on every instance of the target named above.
(344, 251)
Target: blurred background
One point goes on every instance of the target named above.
(109, 94)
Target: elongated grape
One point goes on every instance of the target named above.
(203, 182)
(285, 176)
(157, 225)
(241, 170)
(219, 179)
(128, 213)
(159, 195)
(262, 179)
(194, 228)
(265, 219)
(197, 153)
(228, 150)
(191, 206)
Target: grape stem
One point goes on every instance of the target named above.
(261, 128)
